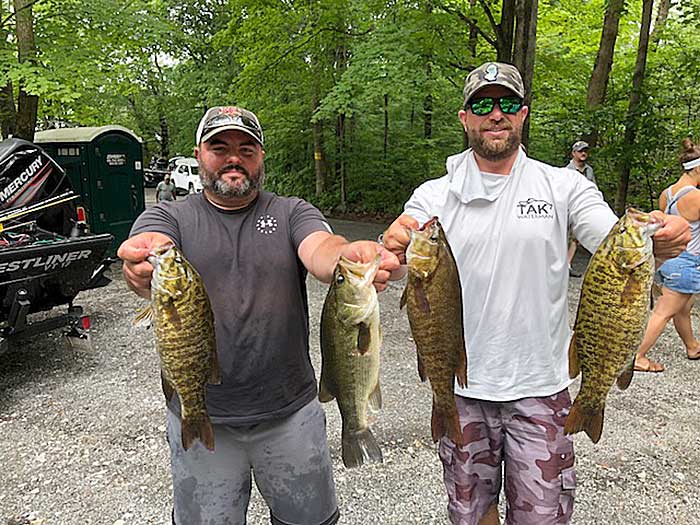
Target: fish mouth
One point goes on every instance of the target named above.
(647, 222)
(360, 274)
(431, 227)
(428, 224)
(158, 252)
(155, 256)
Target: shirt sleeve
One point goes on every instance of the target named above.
(305, 219)
(159, 219)
(590, 217)
(423, 204)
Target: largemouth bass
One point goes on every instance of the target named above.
(611, 318)
(350, 342)
(433, 295)
(184, 328)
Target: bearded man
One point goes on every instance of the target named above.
(253, 250)
(506, 217)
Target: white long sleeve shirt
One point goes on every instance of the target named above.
(509, 237)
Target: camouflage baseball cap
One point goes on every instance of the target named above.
(222, 118)
(579, 145)
(493, 74)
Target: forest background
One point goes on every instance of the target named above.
(359, 98)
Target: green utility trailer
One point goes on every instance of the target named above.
(105, 166)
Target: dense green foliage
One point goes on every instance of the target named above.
(376, 67)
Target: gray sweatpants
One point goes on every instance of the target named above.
(289, 459)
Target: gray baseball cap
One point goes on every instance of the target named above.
(579, 145)
(493, 74)
(222, 118)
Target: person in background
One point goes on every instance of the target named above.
(165, 191)
(506, 218)
(253, 250)
(679, 277)
(579, 156)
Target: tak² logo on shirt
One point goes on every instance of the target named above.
(266, 224)
(534, 209)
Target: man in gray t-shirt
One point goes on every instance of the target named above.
(165, 191)
(579, 156)
(253, 250)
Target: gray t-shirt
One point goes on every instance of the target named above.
(165, 191)
(257, 287)
(587, 170)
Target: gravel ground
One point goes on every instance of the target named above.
(82, 435)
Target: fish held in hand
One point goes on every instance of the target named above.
(185, 340)
(350, 342)
(611, 318)
(433, 296)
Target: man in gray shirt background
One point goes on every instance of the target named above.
(579, 156)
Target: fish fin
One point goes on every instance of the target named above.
(631, 290)
(197, 427)
(574, 364)
(625, 378)
(441, 424)
(461, 371)
(168, 389)
(589, 422)
(422, 299)
(375, 398)
(324, 394)
(215, 370)
(364, 338)
(170, 310)
(144, 317)
(421, 369)
(360, 447)
(402, 303)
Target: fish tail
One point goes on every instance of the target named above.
(446, 424)
(360, 447)
(197, 427)
(591, 422)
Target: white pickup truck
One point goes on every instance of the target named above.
(185, 175)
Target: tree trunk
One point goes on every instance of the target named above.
(506, 27)
(660, 23)
(340, 161)
(473, 34)
(319, 149)
(632, 111)
(428, 116)
(386, 128)
(8, 114)
(598, 84)
(27, 104)
(164, 137)
(524, 51)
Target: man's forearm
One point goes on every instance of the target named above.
(325, 257)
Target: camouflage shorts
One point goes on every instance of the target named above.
(523, 438)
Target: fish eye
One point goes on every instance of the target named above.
(340, 279)
(623, 229)
(434, 237)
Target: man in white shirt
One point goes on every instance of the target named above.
(506, 217)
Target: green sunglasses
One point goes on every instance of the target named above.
(483, 106)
